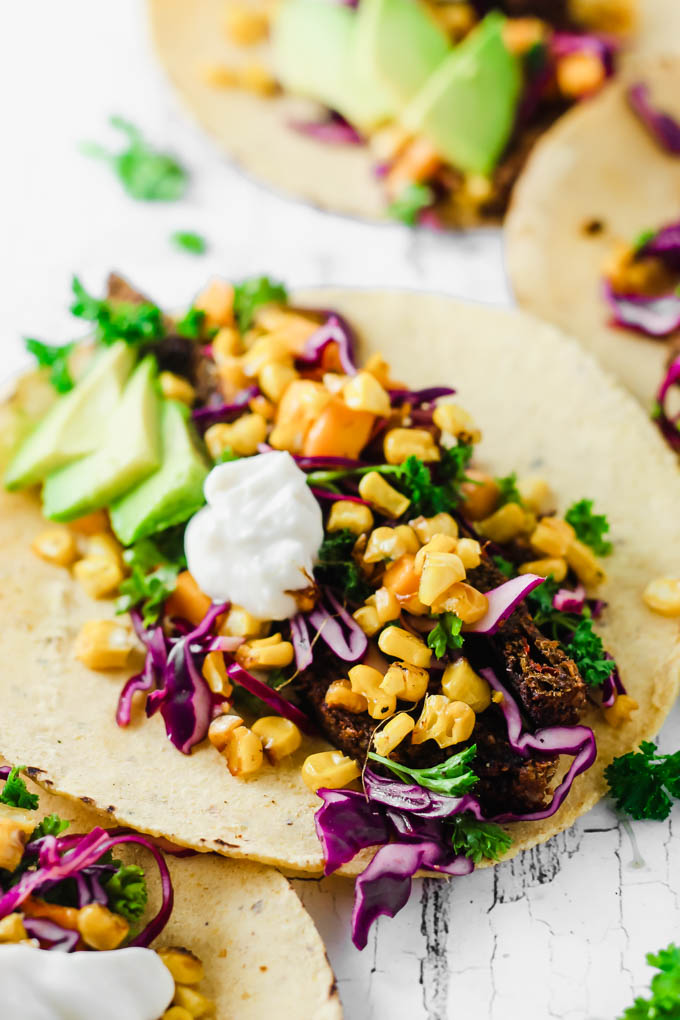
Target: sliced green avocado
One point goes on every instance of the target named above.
(314, 43)
(173, 493)
(76, 423)
(400, 44)
(467, 107)
(130, 452)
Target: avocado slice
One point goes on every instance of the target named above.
(314, 43)
(130, 452)
(467, 107)
(400, 44)
(173, 493)
(76, 423)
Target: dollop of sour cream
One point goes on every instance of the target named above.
(38, 985)
(258, 537)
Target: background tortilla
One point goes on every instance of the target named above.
(255, 132)
(600, 164)
(544, 407)
(263, 956)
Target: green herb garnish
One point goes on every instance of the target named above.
(154, 563)
(507, 568)
(452, 777)
(191, 324)
(410, 203)
(252, 294)
(119, 320)
(479, 840)
(643, 238)
(337, 568)
(587, 651)
(644, 783)
(54, 358)
(51, 825)
(589, 527)
(146, 174)
(126, 891)
(190, 242)
(509, 493)
(664, 1002)
(446, 636)
(15, 792)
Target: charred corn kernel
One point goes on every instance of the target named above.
(393, 733)
(350, 516)
(620, 712)
(104, 544)
(437, 544)
(12, 928)
(341, 695)
(382, 497)
(226, 343)
(584, 563)
(505, 524)
(334, 382)
(457, 422)
(446, 722)
(363, 392)
(256, 78)
(366, 680)
(56, 545)
(230, 377)
(15, 832)
(100, 928)
(301, 405)
(217, 301)
(662, 595)
(400, 444)
(242, 437)
(367, 618)
(406, 682)
(221, 729)
(401, 645)
(265, 351)
(414, 606)
(103, 644)
(186, 969)
(480, 495)
(260, 405)
(280, 737)
(579, 74)
(329, 768)
(220, 76)
(461, 683)
(243, 752)
(91, 524)
(177, 1013)
(265, 653)
(536, 494)
(215, 674)
(463, 600)
(99, 576)
(386, 605)
(244, 25)
(470, 552)
(549, 566)
(441, 524)
(274, 378)
(384, 544)
(552, 536)
(240, 623)
(379, 369)
(520, 34)
(440, 571)
(174, 387)
(197, 1004)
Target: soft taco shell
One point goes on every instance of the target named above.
(544, 407)
(597, 166)
(262, 954)
(255, 131)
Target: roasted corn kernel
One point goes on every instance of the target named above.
(244, 753)
(266, 350)
(379, 368)
(480, 495)
(446, 722)
(348, 515)
(341, 695)
(386, 605)
(221, 729)
(104, 544)
(463, 600)
(584, 563)
(366, 680)
(56, 545)
(662, 595)
(12, 928)
(256, 78)
(550, 566)
(393, 733)
(406, 682)
(461, 683)
(579, 74)
(440, 571)
(470, 552)
(240, 623)
(401, 578)
(390, 544)
(199, 1005)
(401, 645)
(437, 544)
(100, 576)
(103, 644)
(363, 392)
(100, 928)
(301, 405)
(177, 1013)
(274, 378)
(620, 712)
(457, 422)
(552, 536)
(382, 497)
(280, 737)
(505, 524)
(536, 494)
(329, 768)
(367, 618)
(226, 343)
(186, 969)
(217, 301)
(242, 436)
(400, 444)
(215, 674)
(175, 387)
(441, 524)
(265, 653)
(245, 25)
(16, 827)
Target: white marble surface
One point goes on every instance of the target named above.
(562, 931)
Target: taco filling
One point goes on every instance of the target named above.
(65, 893)
(448, 97)
(303, 545)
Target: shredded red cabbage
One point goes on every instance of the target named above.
(656, 317)
(668, 423)
(336, 330)
(665, 245)
(612, 686)
(567, 601)
(502, 601)
(419, 397)
(334, 130)
(663, 128)
(299, 633)
(349, 647)
(605, 47)
(269, 696)
(209, 415)
(51, 935)
(315, 463)
(346, 823)
(334, 497)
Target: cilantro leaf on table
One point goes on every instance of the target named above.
(146, 173)
(251, 294)
(644, 783)
(51, 825)
(446, 635)
(509, 493)
(589, 527)
(15, 792)
(190, 242)
(664, 1002)
(126, 891)
(56, 359)
(337, 568)
(587, 651)
(452, 777)
(117, 320)
(410, 203)
(479, 840)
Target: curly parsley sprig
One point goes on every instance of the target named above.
(644, 783)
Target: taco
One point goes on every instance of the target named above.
(344, 609)
(191, 932)
(587, 239)
(423, 112)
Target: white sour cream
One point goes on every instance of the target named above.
(258, 537)
(38, 985)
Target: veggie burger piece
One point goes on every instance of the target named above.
(296, 603)
(154, 935)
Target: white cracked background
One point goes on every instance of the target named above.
(562, 931)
